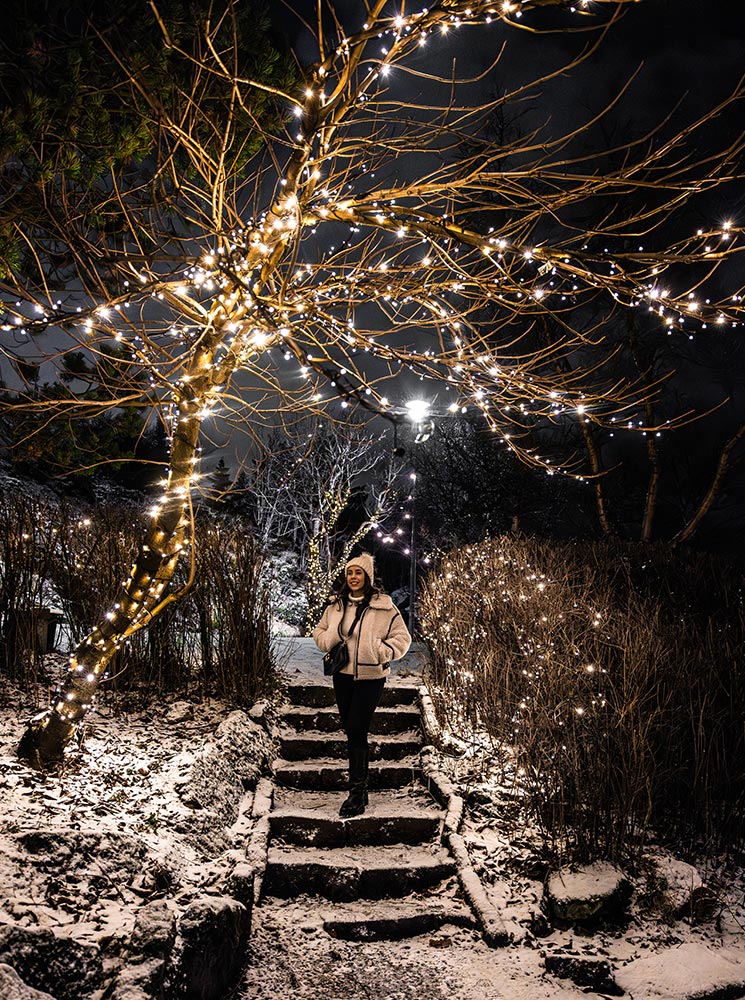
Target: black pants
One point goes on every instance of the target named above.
(357, 701)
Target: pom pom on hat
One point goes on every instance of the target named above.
(364, 561)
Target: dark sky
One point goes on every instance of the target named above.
(685, 47)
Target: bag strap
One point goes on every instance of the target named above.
(358, 614)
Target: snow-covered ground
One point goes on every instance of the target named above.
(128, 822)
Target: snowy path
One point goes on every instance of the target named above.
(291, 956)
(295, 951)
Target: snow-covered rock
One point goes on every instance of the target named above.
(180, 711)
(591, 973)
(49, 961)
(680, 882)
(583, 894)
(149, 953)
(692, 971)
(258, 712)
(213, 935)
(230, 764)
(12, 987)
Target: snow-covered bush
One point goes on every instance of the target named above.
(606, 677)
(286, 582)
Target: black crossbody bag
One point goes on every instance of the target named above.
(338, 656)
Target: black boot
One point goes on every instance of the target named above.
(354, 804)
(365, 769)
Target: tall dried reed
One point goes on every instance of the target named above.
(231, 602)
(606, 678)
(27, 537)
(214, 641)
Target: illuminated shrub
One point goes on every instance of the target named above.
(604, 678)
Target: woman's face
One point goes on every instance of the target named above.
(355, 580)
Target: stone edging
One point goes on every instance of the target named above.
(257, 848)
(490, 919)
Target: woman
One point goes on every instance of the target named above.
(369, 622)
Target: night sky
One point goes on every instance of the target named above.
(683, 57)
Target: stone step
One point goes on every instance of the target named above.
(371, 920)
(312, 819)
(393, 920)
(394, 719)
(320, 695)
(354, 873)
(332, 775)
(310, 746)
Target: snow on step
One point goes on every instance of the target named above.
(355, 873)
(320, 695)
(332, 775)
(392, 920)
(393, 719)
(312, 818)
(313, 745)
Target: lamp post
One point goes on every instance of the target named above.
(412, 556)
(418, 410)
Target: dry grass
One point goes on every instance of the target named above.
(26, 540)
(215, 641)
(606, 678)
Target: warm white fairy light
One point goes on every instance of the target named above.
(259, 284)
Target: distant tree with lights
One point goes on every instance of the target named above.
(322, 489)
(363, 244)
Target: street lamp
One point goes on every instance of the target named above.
(418, 414)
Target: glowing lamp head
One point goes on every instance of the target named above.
(418, 409)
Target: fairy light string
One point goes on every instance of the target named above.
(348, 280)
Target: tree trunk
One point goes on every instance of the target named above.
(653, 486)
(138, 600)
(598, 482)
(723, 466)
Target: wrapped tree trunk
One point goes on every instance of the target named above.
(138, 601)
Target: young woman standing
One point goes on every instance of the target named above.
(372, 627)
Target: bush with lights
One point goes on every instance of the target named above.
(602, 680)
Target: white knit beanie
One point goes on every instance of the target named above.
(364, 561)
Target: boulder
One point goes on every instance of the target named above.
(138, 982)
(231, 764)
(594, 974)
(154, 932)
(581, 895)
(148, 954)
(691, 971)
(180, 711)
(684, 890)
(12, 987)
(680, 882)
(258, 711)
(49, 961)
(211, 951)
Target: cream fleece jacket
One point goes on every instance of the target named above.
(381, 634)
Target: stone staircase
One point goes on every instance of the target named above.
(384, 874)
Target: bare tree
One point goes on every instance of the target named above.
(353, 253)
(322, 491)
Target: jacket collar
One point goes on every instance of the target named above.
(378, 602)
